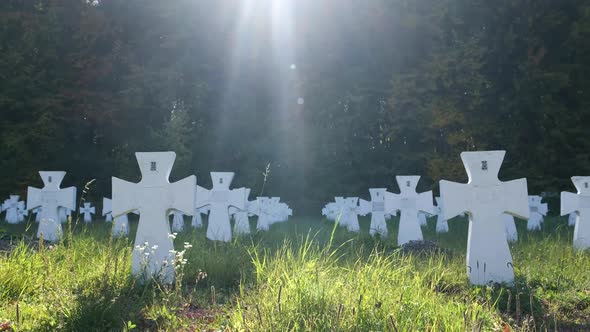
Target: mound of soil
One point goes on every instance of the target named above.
(9, 243)
(423, 247)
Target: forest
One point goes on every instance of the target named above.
(304, 100)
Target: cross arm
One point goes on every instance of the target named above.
(569, 202)
(203, 197)
(33, 198)
(424, 202)
(237, 198)
(66, 197)
(453, 198)
(125, 197)
(365, 207)
(392, 202)
(515, 196)
(183, 195)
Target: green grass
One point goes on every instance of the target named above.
(304, 275)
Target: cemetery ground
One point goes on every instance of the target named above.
(304, 274)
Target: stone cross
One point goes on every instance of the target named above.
(537, 211)
(11, 207)
(422, 218)
(50, 198)
(241, 221)
(256, 208)
(579, 203)
(197, 221)
(21, 211)
(120, 224)
(177, 221)
(333, 210)
(262, 209)
(409, 203)
(442, 225)
(376, 207)
(87, 210)
(219, 199)
(485, 198)
(350, 212)
(154, 196)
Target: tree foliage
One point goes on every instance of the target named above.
(337, 96)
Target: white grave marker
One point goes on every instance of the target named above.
(87, 210)
(22, 211)
(11, 207)
(485, 198)
(579, 203)
(350, 214)
(197, 221)
(262, 209)
(120, 224)
(377, 209)
(50, 198)
(442, 225)
(154, 196)
(409, 203)
(219, 199)
(177, 221)
(537, 211)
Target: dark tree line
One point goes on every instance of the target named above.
(336, 95)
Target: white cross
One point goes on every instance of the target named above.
(485, 198)
(121, 223)
(376, 207)
(177, 221)
(197, 221)
(262, 209)
(219, 199)
(350, 212)
(409, 203)
(241, 221)
(21, 211)
(538, 211)
(11, 207)
(442, 225)
(50, 198)
(87, 210)
(580, 204)
(154, 196)
(333, 210)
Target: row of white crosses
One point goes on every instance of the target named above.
(408, 202)
(484, 198)
(154, 197)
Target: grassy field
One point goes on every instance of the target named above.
(303, 275)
